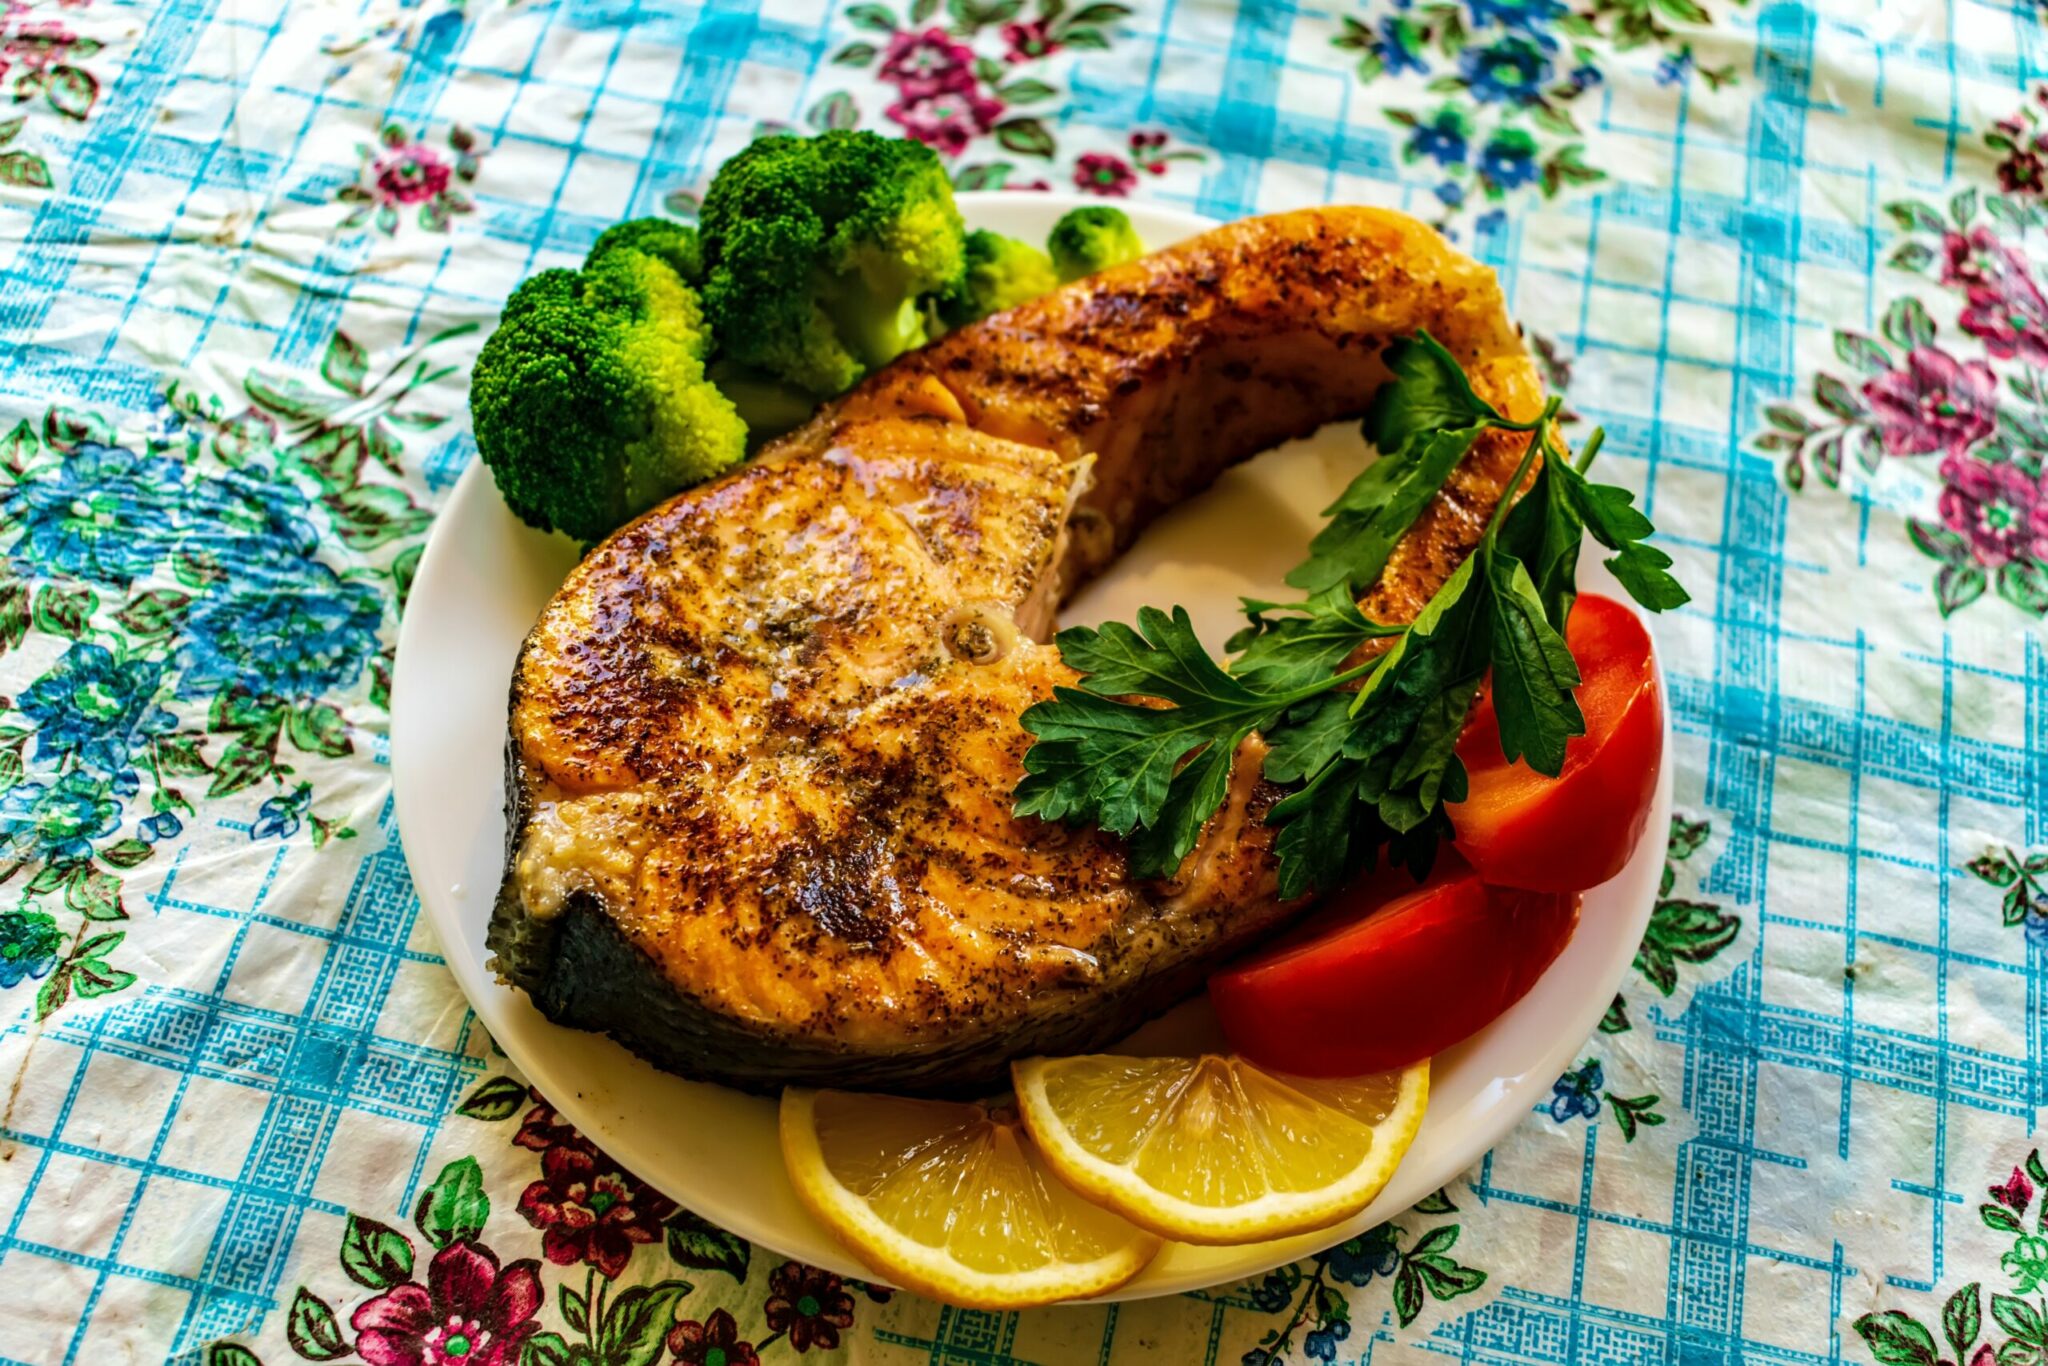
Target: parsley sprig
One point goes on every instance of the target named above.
(1144, 747)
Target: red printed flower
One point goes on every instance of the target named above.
(590, 1210)
(410, 174)
(2002, 511)
(948, 120)
(1937, 403)
(1144, 150)
(544, 1128)
(2004, 309)
(38, 45)
(809, 1305)
(1028, 42)
(714, 1342)
(2015, 1194)
(921, 65)
(469, 1313)
(1103, 174)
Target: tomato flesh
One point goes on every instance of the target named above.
(1388, 972)
(1577, 830)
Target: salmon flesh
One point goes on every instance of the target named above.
(763, 740)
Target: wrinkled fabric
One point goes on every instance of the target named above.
(1790, 257)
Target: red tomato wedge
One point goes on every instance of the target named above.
(1574, 831)
(1388, 972)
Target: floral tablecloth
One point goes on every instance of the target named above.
(1792, 258)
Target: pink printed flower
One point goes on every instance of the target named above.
(948, 120)
(410, 174)
(1937, 403)
(1029, 41)
(2004, 308)
(1103, 174)
(2002, 512)
(921, 65)
(36, 46)
(469, 1313)
(2016, 1194)
(590, 1210)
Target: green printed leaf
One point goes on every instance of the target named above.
(1683, 931)
(575, 1309)
(545, 1349)
(876, 18)
(1860, 351)
(368, 515)
(153, 612)
(496, 1099)
(1026, 137)
(96, 895)
(231, 1354)
(1962, 1319)
(312, 1330)
(345, 364)
(318, 728)
(2019, 1318)
(1913, 216)
(636, 1324)
(1906, 323)
(694, 1241)
(455, 1206)
(64, 612)
(24, 170)
(374, 1254)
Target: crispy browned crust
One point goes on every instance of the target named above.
(786, 702)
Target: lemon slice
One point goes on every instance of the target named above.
(951, 1201)
(1213, 1150)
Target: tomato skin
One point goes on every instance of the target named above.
(1387, 972)
(1575, 831)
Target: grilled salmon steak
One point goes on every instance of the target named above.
(764, 738)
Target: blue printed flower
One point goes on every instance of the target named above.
(1372, 1253)
(1491, 221)
(1321, 1343)
(1578, 1092)
(29, 944)
(1272, 1294)
(103, 513)
(282, 815)
(164, 825)
(98, 709)
(1442, 139)
(1401, 46)
(1530, 16)
(1674, 70)
(1512, 69)
(1585, 76)
(293, 639)
(2036, 930)
(1451, 193)
(57, 821)
(1508, 160)
(251, 530)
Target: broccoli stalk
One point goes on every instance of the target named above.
(1091, 239)
(590, 401)
(821, 253)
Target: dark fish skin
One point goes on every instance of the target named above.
(763, 740)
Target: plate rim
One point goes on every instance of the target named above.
(488, 999)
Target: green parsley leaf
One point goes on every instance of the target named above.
(1309, 642)
(1101, 759)
(1429, 393)
(1533, 673)
(1543, 531)
(1376, 509)
(1610, 514)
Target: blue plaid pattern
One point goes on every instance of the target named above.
(1841, 1086)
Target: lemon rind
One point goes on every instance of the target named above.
(1273, 1215)
(932, 1272)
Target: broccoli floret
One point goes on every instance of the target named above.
(1092, 239)
(1002, 272)
(767, 405)
(820, 253)
(674, 243)
(590, 401)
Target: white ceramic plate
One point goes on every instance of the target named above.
(484, 580)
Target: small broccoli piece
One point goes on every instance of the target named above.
(820, 254)
(1092, 239)
(590, 401)
(674, 243)
(1002, 272)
